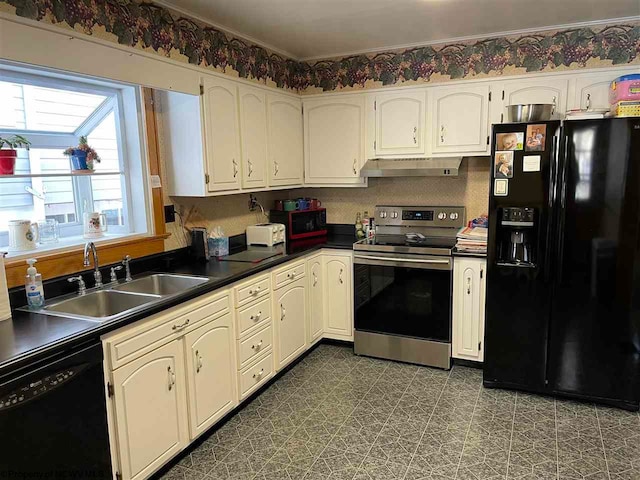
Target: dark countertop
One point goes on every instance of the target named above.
(456, 253)
(28, 337)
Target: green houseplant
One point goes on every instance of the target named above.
(83, 157)
(8, 155)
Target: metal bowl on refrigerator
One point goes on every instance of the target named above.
(531, 112)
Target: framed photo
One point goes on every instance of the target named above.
(510, 141)
(536, 138)
(503, 165)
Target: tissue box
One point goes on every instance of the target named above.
(219, 246)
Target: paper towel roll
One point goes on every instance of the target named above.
(5, 308)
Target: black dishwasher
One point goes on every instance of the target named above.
(53, 418)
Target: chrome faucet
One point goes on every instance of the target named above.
(89, 246)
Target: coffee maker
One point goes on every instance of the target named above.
(516, 231)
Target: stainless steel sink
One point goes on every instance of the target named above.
(162, 284)
(100, 305)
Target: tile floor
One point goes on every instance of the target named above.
(339, 416)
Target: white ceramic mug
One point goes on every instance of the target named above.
(94, 224)
(23, 235)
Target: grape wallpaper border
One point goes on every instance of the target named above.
(145, 25)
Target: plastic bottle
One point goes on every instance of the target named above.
(359, 228)
(33, 286)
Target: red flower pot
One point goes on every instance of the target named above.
(7, 161)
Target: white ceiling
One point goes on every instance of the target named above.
(307, 29)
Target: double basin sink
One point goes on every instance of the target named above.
(117, 300)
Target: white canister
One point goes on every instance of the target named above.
(5, 307)
(94, 224)
(23, 235)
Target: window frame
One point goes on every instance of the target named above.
(81, 184)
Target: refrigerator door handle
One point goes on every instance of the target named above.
(553, 183)
(562, 211)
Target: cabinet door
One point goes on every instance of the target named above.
(592, 91)
(460, 119)
(150, 410)
(222, 139)
(400, 123)
(338, 298)
(253, 132)
(545, 90)
(284, 117)
(316, 298)
(290, 318)
(211, 373)
(468, 308)
(334, 140)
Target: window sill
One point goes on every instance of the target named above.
(64, 260)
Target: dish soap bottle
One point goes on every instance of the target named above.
(33, 286)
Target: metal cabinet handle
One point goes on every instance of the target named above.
(256, 317)
(172, 377)
(355, 171)
(235, 167)
(315, 279)
(198, 362)
(441, 133)
(291, 275)
(340, 276)
(259, 374)
(468, 286)
(181, 326)
(283, 312)
(553, 109)
(415, 131)
(257, 346)
(275, 164)
(256, 291)
(588, 105)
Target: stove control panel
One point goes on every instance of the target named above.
(420, 216)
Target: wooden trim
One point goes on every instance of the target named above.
(154, 161)
(56, 264)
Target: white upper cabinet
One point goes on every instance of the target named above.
(459, 119)
(211, 373)
(222, 135)
(253, 132)
(543, 90)
(400, 123)
(334, 132)
(592, 91)
(284, 120)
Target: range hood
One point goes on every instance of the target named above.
(412, 167)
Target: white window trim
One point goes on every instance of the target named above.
(48, 139)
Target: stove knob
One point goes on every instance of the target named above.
(394, 215)
(453, 216)
(442, 216)
(383, 214)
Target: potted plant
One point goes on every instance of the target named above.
(8, 155)
(83, 157)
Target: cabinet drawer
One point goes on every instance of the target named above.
(153, 331)
(251, 347)
(251, 318)
(285, 276)
(254, 288)
(255, 375)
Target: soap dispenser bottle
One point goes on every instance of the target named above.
(33, 286)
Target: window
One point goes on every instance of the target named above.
(52, 112)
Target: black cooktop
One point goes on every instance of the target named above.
(410, 241)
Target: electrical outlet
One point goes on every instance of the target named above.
(169, 214)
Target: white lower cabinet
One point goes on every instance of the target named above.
(338, 296)
(316, 298)
(469, 287)
(150, 410)
(211, 374)
(290, 318)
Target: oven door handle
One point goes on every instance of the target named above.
(427, 263)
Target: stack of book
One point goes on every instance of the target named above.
(472, 240)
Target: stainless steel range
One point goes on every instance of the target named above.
(403, 285)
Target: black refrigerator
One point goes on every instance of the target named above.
(563, 260)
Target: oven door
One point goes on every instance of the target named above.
(407, 295)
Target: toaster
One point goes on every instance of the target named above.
(266, 234)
